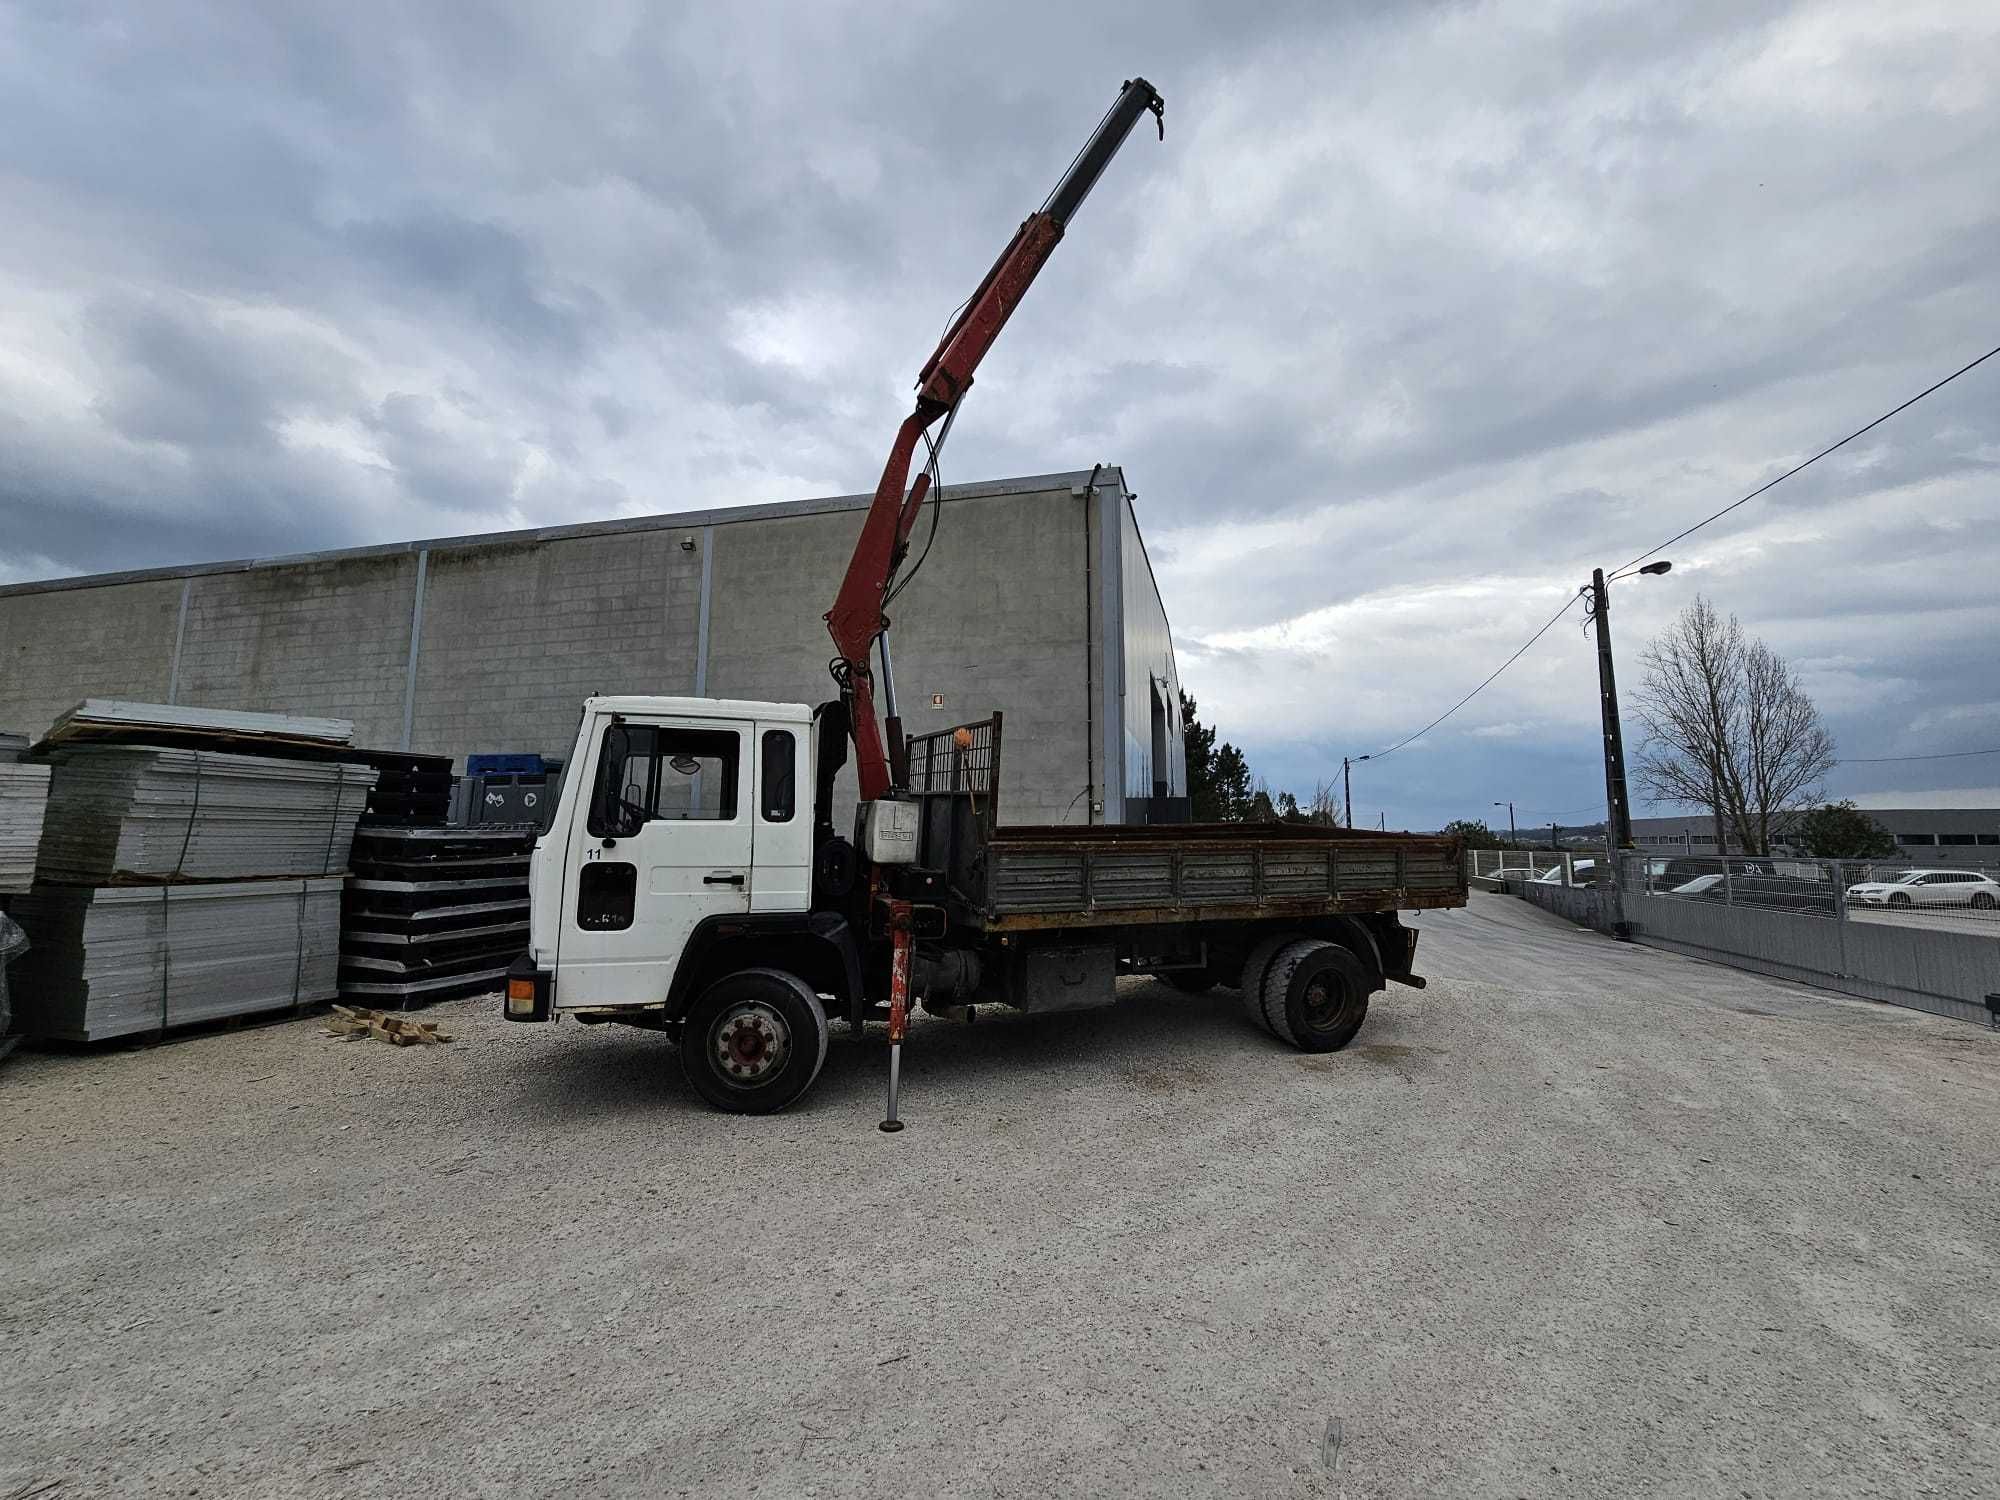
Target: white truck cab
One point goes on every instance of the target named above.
(680, 811)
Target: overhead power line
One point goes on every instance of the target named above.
(1568, 605)
(1883, 760)
(1734, 504)
(1893, 411)
(1546, 815)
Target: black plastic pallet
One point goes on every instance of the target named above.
(385, 941)
(435, 918)
(420, 991)
(402, 762)
(375, 967)
(414, 896)
(399, 844)
(511, 867)
(390, 805)
(413, 820)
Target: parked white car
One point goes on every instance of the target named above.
(1701, 885)
(1582, 872)
(1929, 888)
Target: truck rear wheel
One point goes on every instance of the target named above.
(1315, 996)
(1255, 967)
(754, 1041)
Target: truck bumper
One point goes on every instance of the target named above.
(530, 991)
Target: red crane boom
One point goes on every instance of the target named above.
(857, 618)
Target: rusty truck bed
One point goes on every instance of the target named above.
(1043, 877)
(1025, 876)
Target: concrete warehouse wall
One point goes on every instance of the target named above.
(295, 639)
(57, 647)
(1150, 724)
(1026, 604)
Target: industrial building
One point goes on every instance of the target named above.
(1946, 837)
(1037, 599)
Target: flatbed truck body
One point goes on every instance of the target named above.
(682, 887)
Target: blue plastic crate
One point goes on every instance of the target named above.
(504, 765)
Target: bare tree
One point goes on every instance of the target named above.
(1786, 751)
(1324, 808)
(1728, 727)
(1688, 706)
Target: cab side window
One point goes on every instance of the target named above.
(650, 772)
(777, 799)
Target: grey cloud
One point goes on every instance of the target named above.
(1433, 296)
(465, 270)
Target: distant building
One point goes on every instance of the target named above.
(1944, 837)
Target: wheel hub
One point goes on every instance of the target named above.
(1322, 1001)
(751, 1043)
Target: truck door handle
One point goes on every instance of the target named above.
(722, 880)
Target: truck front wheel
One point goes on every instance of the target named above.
(1315, 996)
(754, 1041)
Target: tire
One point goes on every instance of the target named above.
(1255, 967)
(1899, 899)
(754, 1041)
(1316, 996)
(1982, 901)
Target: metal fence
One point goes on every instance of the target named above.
(1545, 866)
(1896, 892)
(1831, 923)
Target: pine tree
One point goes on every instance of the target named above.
(1232, 785)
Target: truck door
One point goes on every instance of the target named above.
(781, 878)
(666, 844)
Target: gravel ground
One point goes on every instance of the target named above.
(1580, 1219)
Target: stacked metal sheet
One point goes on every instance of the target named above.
(163, 723)
(434, 912)
(24, 796)
(112, 961)
(189, 867)
(118, 813)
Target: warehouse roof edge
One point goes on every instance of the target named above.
(1075, 479)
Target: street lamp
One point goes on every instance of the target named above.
(1512, 836)
(1347, 782)
(1616, 802)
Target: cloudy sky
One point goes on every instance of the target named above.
(1418, 314)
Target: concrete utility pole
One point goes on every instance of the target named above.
(1347, 782)
(1614, 737)
(1513, 835)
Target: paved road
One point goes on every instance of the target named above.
(1582, 1219)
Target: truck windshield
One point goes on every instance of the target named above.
(658, 771)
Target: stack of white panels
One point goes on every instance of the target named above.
(113, 961)
(111, 718)
(24, 796)
(119, 813)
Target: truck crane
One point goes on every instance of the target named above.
(680, 889)
(859, 619)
